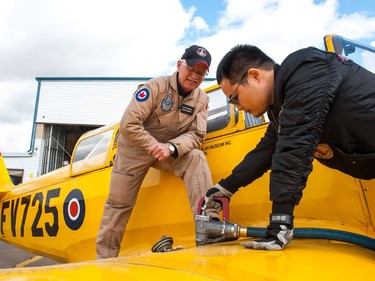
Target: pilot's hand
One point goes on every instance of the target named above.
(278, 234)
(160, 151)
(216, 191)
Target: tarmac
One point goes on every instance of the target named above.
(12, 257)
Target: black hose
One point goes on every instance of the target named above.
(321, 233)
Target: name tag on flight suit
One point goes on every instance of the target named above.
(187, 109)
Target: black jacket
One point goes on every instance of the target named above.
(324, 106)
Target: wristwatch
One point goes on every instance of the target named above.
(172, 149)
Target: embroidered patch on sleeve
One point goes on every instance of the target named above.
(142, 95)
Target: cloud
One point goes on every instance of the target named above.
(281, 27)
(199, 23)
(63, 38)
(17, 100)
(143, 38)
(89, 37)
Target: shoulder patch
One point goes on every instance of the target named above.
(142, 94)
(323, 151)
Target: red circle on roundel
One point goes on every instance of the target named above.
(73, 208)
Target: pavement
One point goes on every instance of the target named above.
(11, 257)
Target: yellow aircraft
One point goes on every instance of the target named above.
(57, 215)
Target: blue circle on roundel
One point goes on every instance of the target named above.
(142, 95)
(74, 209)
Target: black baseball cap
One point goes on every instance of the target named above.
(196, 54)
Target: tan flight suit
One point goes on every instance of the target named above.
(155, 114)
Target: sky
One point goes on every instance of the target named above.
(145, 38)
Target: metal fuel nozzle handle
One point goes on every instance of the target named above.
(224, 203)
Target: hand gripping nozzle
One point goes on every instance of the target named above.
(208, 231)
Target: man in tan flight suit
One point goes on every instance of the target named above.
(162, 127)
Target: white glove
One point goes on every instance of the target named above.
(216, 191)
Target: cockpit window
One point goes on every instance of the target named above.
(92, 152)
(219, 113)
(251, 121)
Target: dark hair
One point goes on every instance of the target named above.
(239, 59)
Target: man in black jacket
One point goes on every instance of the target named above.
(319, 104)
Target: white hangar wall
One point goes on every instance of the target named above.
(84, 102)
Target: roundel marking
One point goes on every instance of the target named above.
(74, 209)
(142, 95)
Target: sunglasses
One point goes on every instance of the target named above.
(233, 98)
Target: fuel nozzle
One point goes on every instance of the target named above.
(209, 231)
